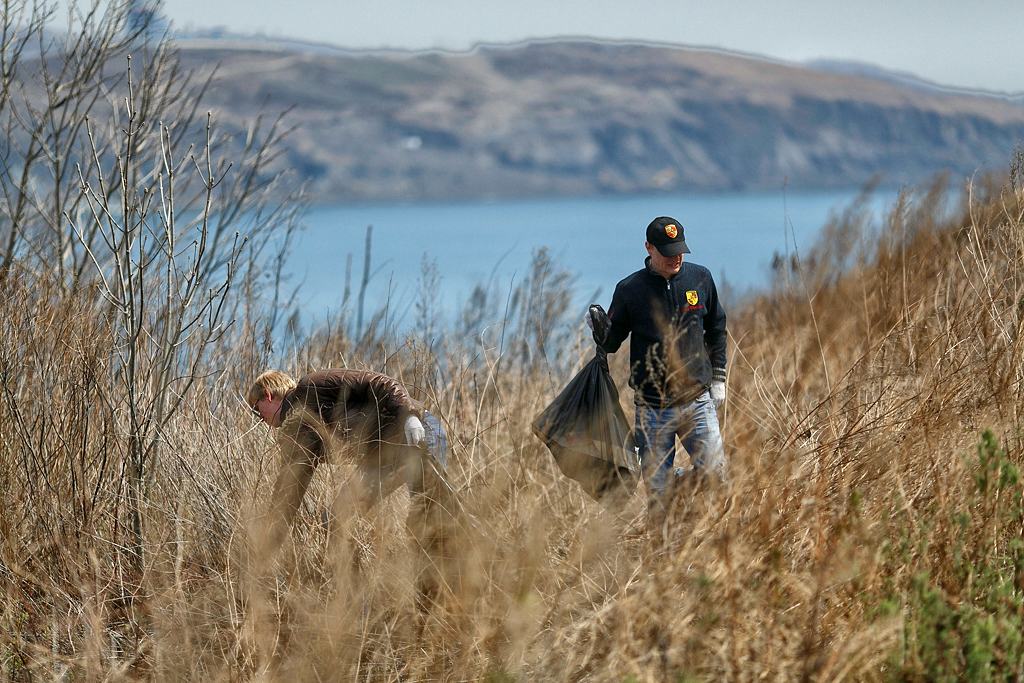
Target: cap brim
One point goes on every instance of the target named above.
(673, 248)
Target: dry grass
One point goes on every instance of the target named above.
(860, 535)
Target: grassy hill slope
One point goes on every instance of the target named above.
(871, 527)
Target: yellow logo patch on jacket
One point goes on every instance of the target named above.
(691, 297)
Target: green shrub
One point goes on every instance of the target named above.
(974, 635)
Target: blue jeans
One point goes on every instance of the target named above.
(696, 424)
(437, 441)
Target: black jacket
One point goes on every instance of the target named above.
(678, 333)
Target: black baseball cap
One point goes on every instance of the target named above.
(666, 234)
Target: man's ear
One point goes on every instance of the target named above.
(267, 396)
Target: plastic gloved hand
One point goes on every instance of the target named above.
(588, 319)
(414, 432)
(718, 393)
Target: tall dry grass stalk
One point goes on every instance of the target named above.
(869, 530)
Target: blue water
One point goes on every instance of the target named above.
(600, 239)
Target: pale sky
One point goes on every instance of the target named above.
(964, 43)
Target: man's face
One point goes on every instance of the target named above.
(269, 409)
(666, 266)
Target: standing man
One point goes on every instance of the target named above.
(677, 357)
(371, 419)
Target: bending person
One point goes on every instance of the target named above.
(372, 420)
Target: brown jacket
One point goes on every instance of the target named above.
(356, 406)
(355, 413)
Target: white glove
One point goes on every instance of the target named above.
(718, 393)
(414, 432)
(588, 319)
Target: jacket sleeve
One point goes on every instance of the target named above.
(394, 397)
(380, 411)
(619, 314)
(715, 334)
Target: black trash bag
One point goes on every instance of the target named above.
(585, 428)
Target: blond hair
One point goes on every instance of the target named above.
(273, 381)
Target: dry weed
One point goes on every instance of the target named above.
(863, 533)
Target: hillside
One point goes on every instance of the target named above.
(577, 118)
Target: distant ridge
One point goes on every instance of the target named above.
(904, 78)
(579, 116)
(219, 37)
